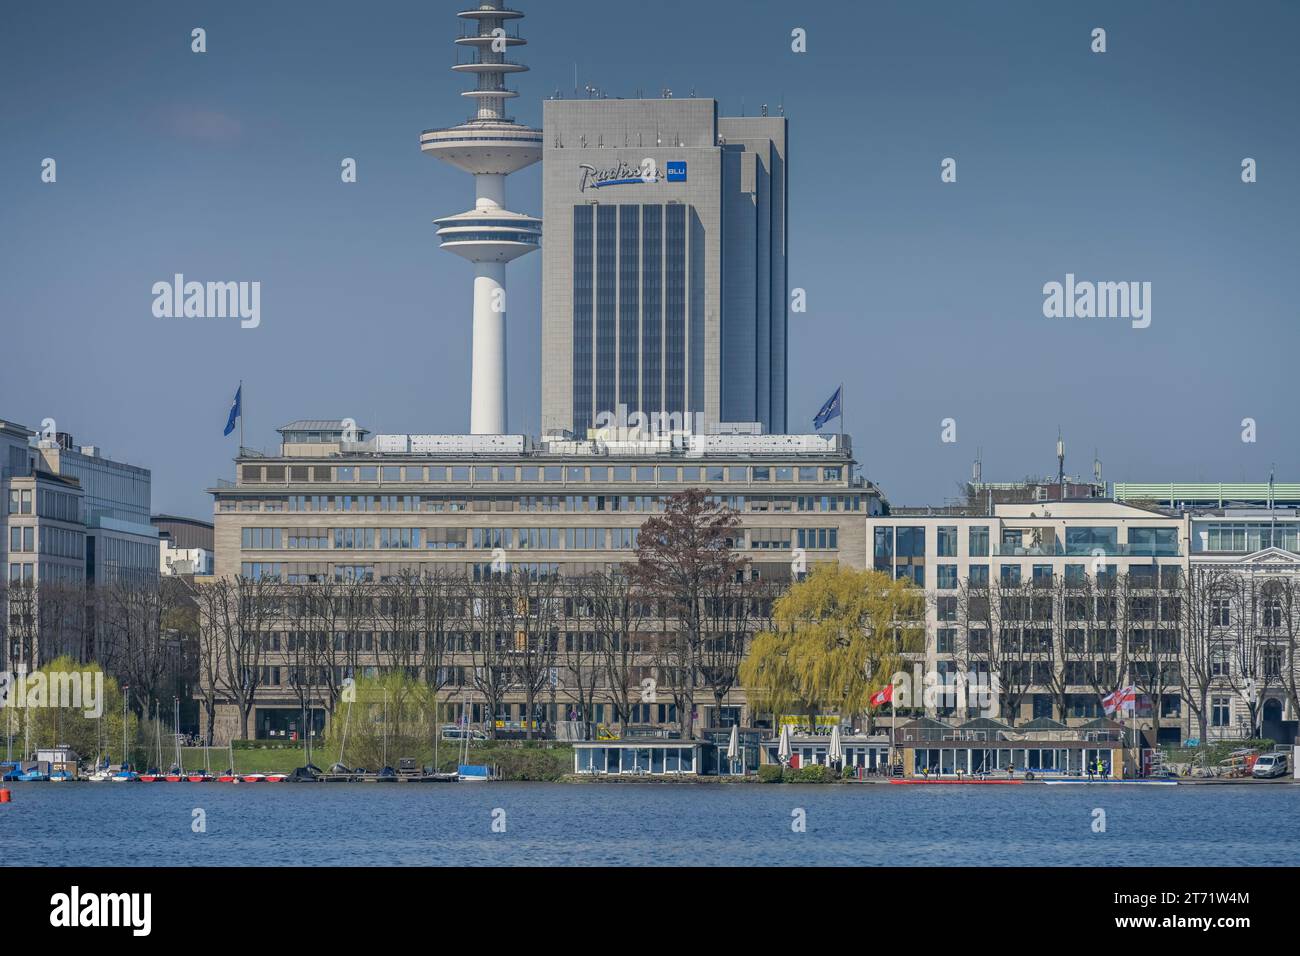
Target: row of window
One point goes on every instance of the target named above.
(574, 504)
(364, 539)
(908, 542)
(1042, 575)
(536, 474)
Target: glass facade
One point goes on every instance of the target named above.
(583, 324)
(631, 310)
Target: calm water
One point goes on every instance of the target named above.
(631, 824)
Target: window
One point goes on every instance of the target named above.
(1220, 612)
(979, 542)
(946, 577)
(1272, 612)
(946, 608)
(977, 576)
(1153, 541)
(945, 638)
(1010, 575)
(1220, 712)
(946, 541)
(1042, 575)
(1076, 575)
(911, 542)
(1085, 540)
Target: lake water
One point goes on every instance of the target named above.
(633, 824)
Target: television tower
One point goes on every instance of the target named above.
(491, 146)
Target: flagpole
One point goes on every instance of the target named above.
(241, 418)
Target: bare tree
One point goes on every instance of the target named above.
(218, 602)
(532, 608)
(615, 611)
(130, 613)
(1202, 651)
(682, 554)
(247, 644)
(1254, 649)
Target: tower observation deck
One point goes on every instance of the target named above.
(490, 146)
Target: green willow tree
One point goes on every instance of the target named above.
(838, 636)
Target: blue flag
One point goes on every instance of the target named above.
(830, 410)
(236, 411)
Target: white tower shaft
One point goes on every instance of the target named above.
(490, 146)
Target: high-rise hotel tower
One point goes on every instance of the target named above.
(490, 145)
(664, 272)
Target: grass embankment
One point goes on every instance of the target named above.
(512, 762)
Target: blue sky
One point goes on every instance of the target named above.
(924, 298)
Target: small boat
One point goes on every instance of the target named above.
(473, 773)
(60, 776)
(276, 777)
(126, 776)
(174, 778)
(253, 777)
(150, 778)
(201, 776)
(33, 776)
(99, 776)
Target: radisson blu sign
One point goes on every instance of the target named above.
(625, 174)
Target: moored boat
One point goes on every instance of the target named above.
(253, 777)
(276, 777)
(126, 776)
(35, 775)
(60, 776)
(201, 776)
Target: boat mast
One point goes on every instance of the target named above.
(176, 728)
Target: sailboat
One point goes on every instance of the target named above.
(154, 775)
(229, 776)
(126, 774)
(177, 772)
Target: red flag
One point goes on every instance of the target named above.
(883, 696)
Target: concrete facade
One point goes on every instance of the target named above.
(663, 276)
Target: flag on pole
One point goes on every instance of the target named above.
(1123, 700)
(236, 411)
(882, 696)
(830, 410)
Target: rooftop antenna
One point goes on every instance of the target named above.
(1060, 462)
(780, 109)
(575, 79)
(977, 469)
(1096, 467)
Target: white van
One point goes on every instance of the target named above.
(1270, 765)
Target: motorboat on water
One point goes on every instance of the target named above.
(99, 776)
(60, 776)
